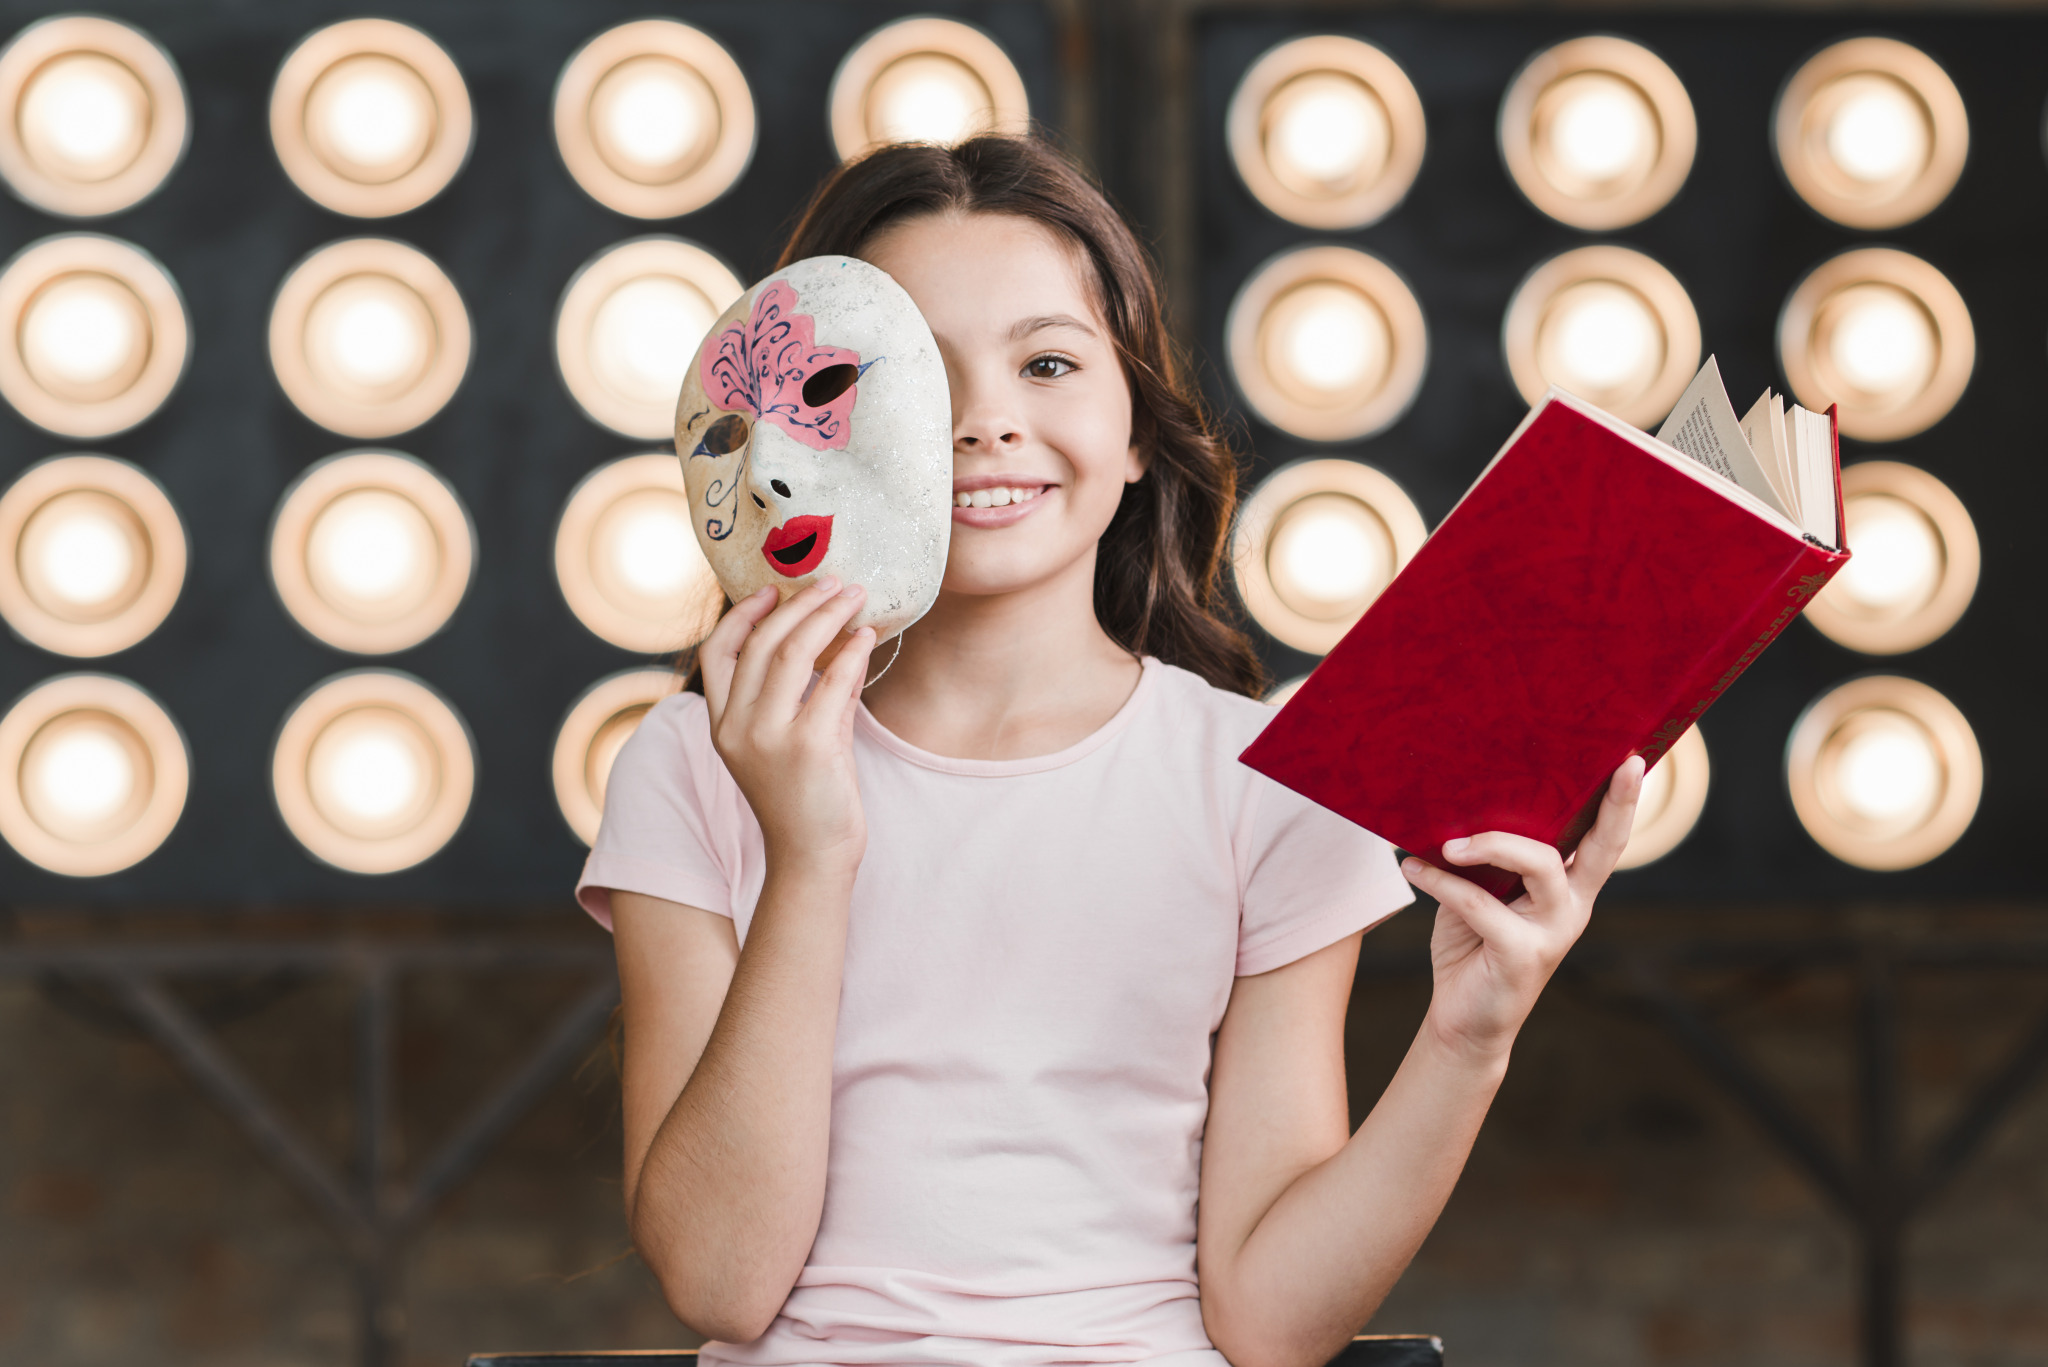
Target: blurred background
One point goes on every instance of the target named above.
(341, 548)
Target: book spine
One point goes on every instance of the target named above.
(1808, 573)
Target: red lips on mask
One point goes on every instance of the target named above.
(796, 547)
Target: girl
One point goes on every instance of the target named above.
(994, 1014)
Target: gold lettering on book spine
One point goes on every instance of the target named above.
(1665, 736)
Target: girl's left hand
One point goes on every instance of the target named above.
(1489, 959)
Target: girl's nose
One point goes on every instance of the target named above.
(982, 422)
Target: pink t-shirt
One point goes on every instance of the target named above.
(1038, 954)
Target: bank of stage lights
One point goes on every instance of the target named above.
(371, 551)
(1328, 344)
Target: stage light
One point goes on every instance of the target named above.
(1326, 132)
(1881, 333)
(924, 80)
(1598, 132)
(591, 736)
(627, 559)
(370, 118)
(1608, 325)
(368, 337)
(1872, 133)
(1316, 543)
(1327, 343)
(1915, 564)
(92, 115)
(1884, 772)
(1673, 796)
(373, 771)
(371, 551)
(654, 119)
(92, 555)
(97, 334)
(95, 775)
(629, 323)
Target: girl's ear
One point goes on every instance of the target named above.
(1137, 460)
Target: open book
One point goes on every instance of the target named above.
(1591, 595)
(1784, 456)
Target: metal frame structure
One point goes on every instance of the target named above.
(1878, 1188)
(372, 1214)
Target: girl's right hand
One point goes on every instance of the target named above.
(792, 756)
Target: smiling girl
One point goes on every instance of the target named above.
(994, 1015)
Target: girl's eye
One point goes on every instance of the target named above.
(1047, 367)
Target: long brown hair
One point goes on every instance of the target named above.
(1159, 567)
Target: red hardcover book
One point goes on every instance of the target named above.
(1588, 599)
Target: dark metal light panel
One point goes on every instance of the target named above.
(1914, 271)
(473, 683)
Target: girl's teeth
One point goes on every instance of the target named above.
(996, 498)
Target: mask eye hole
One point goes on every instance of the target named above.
(725, 436)
(828, 384)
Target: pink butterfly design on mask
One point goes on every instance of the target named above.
(761, 366)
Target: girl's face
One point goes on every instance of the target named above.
(1041, 410)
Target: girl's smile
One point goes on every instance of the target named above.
(1000, 500)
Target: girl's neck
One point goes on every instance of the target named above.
(1005, 676)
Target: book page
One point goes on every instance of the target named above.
(1703, 426)
(1814, 449)
(1764, 425)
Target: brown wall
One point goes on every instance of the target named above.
(1618, 1211)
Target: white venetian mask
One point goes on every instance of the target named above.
(816, 436)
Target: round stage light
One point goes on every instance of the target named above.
(654, 119)
(1674, 794)
(1316, 543)
(370, 117)
(368, 337)
(92, 115)
(371, 551)
(1885, 773)
(99, 335)
(629, 324)
(1326, 132)
(924, 80)
(92, 555)
(1327, 343)
(627, 558)
(1605, 324)
(1881, 333)
(591, 736)
(373, 771)
(95, 775)
(1915, 564)
(1597, 132)
(1872, 133)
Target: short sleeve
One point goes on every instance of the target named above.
(671, 817)
(1310, 879)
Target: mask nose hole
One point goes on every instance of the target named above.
(779, 487)
(759, 502)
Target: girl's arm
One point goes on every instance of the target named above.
(728, 1051)
(1302, 1232)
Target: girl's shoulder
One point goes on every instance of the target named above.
(672, 741)
(1192, 706)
